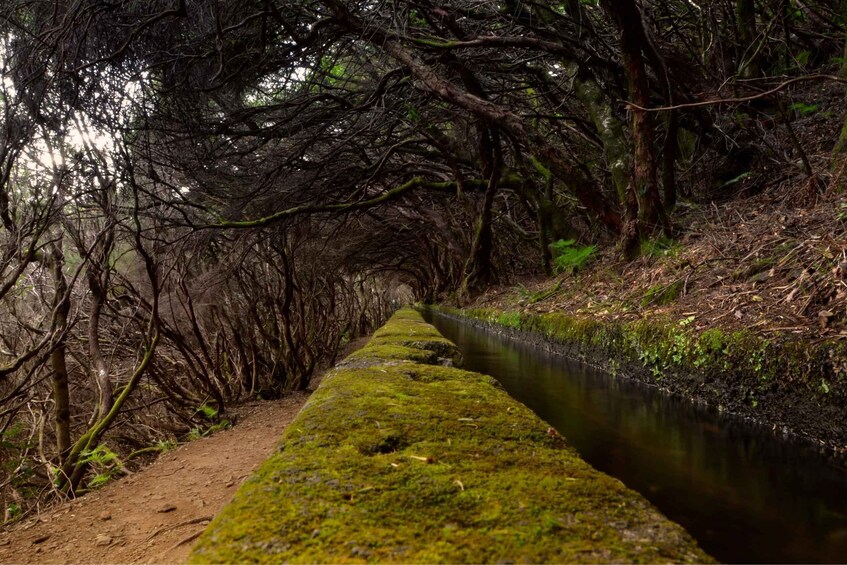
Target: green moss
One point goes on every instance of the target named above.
(396, 352)
(659, 346)
(404, 461)
(409, 337)
(509, 319)
(802, 384)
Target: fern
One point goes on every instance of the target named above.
(568, 257)
(105, 463)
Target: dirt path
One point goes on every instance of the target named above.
(154, 515)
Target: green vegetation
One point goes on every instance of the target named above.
(395, 460)
(198, 432)
(13, 511)
(662, 346)
(207, 411)
(803, 385)
(802, 109)
(509, 319)
(105, 463)
(569, 257)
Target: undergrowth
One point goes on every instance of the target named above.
(569, 257)
(105, 463)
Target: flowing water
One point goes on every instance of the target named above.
(745, 494)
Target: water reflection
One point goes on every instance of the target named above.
(746, 495)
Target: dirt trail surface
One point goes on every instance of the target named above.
(155, 515)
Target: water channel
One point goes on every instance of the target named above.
(746, 495)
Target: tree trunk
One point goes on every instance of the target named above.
(100, 373)
(633, 39)
(545, 225)
(59, 376)
(669, 162)
(609, 128)
(745, 14)
(98, 283)
(843, 11)
(478, 266)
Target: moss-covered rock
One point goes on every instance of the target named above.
(397, 460)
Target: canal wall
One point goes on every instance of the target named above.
(794, 387)
(400, 456)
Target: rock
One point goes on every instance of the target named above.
(102, 540)
(41, 539)
(104, 516)
(166, 508)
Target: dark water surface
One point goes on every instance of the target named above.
(743, 493)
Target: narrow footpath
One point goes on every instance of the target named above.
(155, 515)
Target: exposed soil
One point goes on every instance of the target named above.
(155, 515)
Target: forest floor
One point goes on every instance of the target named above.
(774, 264)
(154, 515)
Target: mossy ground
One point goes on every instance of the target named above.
(397, 460)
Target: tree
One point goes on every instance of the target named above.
(234, 188)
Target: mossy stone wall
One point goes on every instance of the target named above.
(400, 457)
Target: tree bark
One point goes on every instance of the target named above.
(545, 225)
(59, 376)
(478, 266)
(100, 372)
(627, 17)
